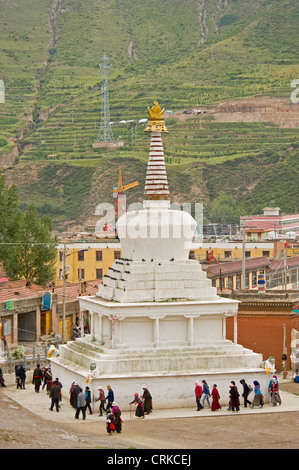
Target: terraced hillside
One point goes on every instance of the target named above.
(185, 54)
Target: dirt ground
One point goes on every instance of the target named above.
(21, 429)
(262, 109)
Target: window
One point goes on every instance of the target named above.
(266, 253)
(253, 282)
(99, 273)
(99, 256)
(227, 254)
(61, 256)
(117, 255)
(7, 327)
(80, 255)
(191, 254)
(238, 281)
(247, 281)
(230, 283)
(247, 254)
(81, 274)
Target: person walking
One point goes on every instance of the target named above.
(198, 394)
(37, 378)
(2, 380)
(147, 400)
(74, 390)
(274, 391)
(215, 399)
(139, 412)
(22, 375)
(88, 400)
(47, 379)
(81, 402)
(102, 399)
(234, 397)
(109, 398)
(246, 391)
(17, 374)
(117, 417)
(258, 396)
(206, 393)
(55, 395)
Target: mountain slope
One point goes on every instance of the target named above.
(185, 54)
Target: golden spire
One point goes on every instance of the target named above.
(156, 121)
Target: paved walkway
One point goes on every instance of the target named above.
(39, 403)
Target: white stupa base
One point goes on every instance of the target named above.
(169, 389)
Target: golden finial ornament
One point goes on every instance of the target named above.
(156, 120)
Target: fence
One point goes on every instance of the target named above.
(29, 360)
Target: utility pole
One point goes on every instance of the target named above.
(63, 292)
(64, 277)
(243, 258)
(284, 356)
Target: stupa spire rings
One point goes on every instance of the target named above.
(156, 120)
(156, 184)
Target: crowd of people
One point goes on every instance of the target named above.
(203, 393)
(81, 400)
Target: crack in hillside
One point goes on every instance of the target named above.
(203, 22)
(131, 49)
(203, 14)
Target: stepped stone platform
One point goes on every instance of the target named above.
(114, 362)
(134, 281)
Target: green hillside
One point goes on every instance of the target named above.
(185, 54)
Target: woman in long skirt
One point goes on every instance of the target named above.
(258, 397)
(215, 399)
(147, 400)
(139, 406)
(117, 417)
(234, 397)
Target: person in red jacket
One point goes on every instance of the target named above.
(198, 394)
(274, 389)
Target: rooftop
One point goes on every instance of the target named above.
(16, 290)
(251, 263)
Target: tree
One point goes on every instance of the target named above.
(224, 210)
(27, 249)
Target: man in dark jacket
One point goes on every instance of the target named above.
(37, 378)
(109, 398)
(22, 375)
(246, 391)
(55, 394)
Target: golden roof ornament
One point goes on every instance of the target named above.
(156, 120)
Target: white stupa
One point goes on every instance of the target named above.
(156, 319)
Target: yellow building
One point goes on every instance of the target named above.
(232, 250)
(86, 261)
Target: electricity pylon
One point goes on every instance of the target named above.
(105, 132)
